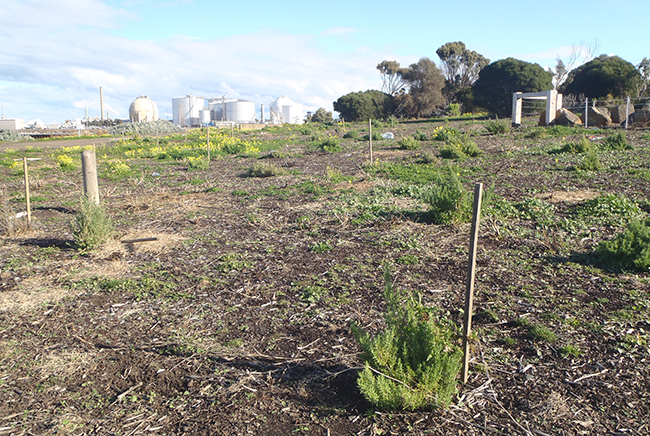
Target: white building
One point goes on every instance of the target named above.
(11, 124)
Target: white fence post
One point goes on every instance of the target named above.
(627, 110)
(586, 112)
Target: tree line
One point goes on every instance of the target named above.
(466, 81)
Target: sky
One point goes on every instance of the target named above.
(55, 54)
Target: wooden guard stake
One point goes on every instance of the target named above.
(471, 268)
(89, 167)
(27, 199)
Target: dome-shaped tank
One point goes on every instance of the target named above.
(143, 109)
(240, 111)
(285, 110)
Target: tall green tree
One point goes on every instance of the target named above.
(644, 72)
(362, 106)
(496, 83)
(603, 76)
(424, 83)
(460, 66)
(392, 81)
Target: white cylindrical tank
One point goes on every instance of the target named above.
(292, 114)
(143, 109)
(240, 111)
(186, 110)
(205, 116)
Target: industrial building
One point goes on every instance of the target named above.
(143, 109)
(11, 124)
(191, 111)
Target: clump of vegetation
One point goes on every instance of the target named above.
(459, 147)
(581, 146)
(118, 170)
(352, 134)
(453, 110)
(497, 127)
(591, 162)
(376, 136)
(197, 163)
(65, 162)
(91, 227)
(414, 362)
(444, 133)
(265, 169)
(449, 201)
(330, 145)
(409, 143)
(629, 250)
(609, 209)
(419, 136)
(617, 141)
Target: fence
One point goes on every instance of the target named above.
(620, 109)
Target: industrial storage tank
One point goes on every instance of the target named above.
(216, 105)
(293, 113)
(186, 110)
(205, 116)
(143, 109)
(240, 111)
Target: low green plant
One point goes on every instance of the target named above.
(581, 146)
(65, 162)
(444, 133)
(265, 169)
(197, 163)
(590, 162)
(376, 136)
(453, 110)
(449, 201)
(497, 127)
(330, 145)
(617, 141)
(409, 143)
(91, 227)
(352, 134)
(629, 250)
(419, 136)
(414, 362)
(459, 147)
(609, 209)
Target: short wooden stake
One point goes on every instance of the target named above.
(89, 168)
(370, 137)
(471, 269)
(27, 200)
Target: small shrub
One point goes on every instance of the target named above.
(414, 362)
(570, 351)
(376, 136)
(329, 145)
(609, 209)
(65, 162)
(409, 143)
(497, 127)
(419, 136)
(352, 134)
(581, 146)
(118, 170)
(459, 147)
(321, 247)
(197, 163)
(617, 141)
(92, 226)
(453, 110)
(444, 133)
(540, 333)
(376, 124)
(629, 250)
(591, 162)
(449, 201)
(264, 169)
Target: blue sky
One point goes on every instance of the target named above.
(57, 53)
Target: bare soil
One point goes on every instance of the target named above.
(235, 319)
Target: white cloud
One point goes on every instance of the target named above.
(58, 76)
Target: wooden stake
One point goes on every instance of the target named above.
(208, 127)
(370, 137)
(471, 267)
(89, 168)
(27, 200)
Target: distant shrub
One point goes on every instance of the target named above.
(497, 127)
(377, 124)
(581, 146)
(197, 163)
(459, 147)
(414, 362)
(629, 250)
(444, 134)
(617, 141)
(330, 145)
(352, 134)
(409, 143)
(449, 201)
(453, 110)
(420, 136)
(591, 162)
(264, 169)
(376, 136)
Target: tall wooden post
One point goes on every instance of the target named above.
(27, 199)
(471, 268)
(89, 168)
(370, 137)
(208, 128)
